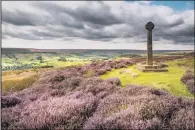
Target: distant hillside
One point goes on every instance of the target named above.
(14, 50)
(30, 50)
(119, 51)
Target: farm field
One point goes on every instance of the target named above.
(40, 60)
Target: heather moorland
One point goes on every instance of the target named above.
(98, 93)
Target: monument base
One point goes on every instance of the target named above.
(151, 68)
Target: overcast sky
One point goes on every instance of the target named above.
(97, 25)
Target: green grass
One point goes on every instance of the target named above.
(60, 64)
(49, 59)
(161, 80)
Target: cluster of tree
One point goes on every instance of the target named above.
(41, 59)
(130, 55)
(22, 67)
(62, 59)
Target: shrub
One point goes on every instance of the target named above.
(39, 58)
(58, 78)
(120, 65)
(101, 71)
(57, 112)
(108, 68)
(187, 76)
(163, 65)
(189, 71)
(183, 119)
(7, 101)
(188, 79)
(47, 66)
(89, 73)
(75, 82)
(190, 85)
(130, 55)
(62, 59)
(115, 81)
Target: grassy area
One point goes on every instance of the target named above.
(167, 80)
(163, 80)
(40, 60)
(19, 79)
(16, 82)
(59, 64)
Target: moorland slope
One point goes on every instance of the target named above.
(77, 98)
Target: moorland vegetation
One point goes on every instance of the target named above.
(104, 95)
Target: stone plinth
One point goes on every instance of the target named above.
(150, 68)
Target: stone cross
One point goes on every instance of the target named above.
(149, 26)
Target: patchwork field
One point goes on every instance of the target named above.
(39, 60)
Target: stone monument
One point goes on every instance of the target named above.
(149, 66)
(149, 26)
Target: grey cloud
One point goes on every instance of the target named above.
(22, 36)
(176, 22)
(162, 23)
(94, 26)
(184, 39)
(179, 39)
(21, 18)
(46, 34)
(186, 31)
(67, 20)
(4, 36)
(17, 18)
(101, 16)
(87, 22)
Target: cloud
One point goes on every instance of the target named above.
(92, 12)
(145, 2)
(18, 18)
(87, 44)
(117, 22)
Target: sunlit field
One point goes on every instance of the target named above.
(164, 80)
(18, 82)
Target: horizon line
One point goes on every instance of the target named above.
(87, 49)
